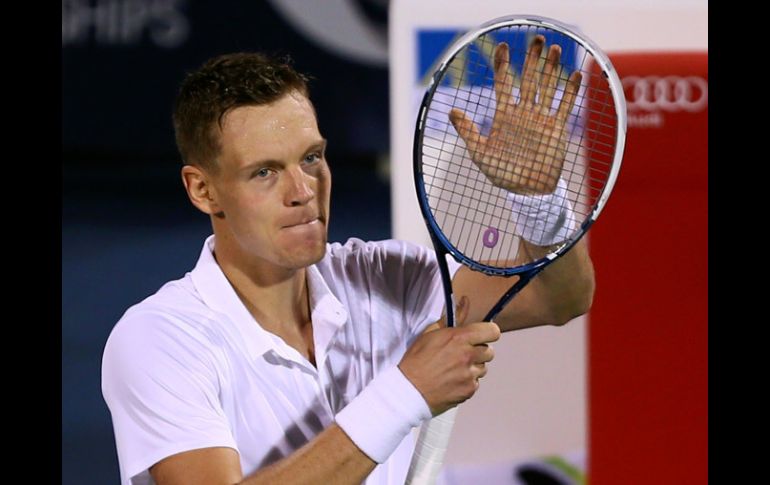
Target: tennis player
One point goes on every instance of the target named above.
(281, 357)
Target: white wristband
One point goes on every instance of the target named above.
(543, 219)
(379, 418)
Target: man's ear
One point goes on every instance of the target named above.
(200, 190)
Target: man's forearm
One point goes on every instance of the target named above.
(366, 432)
(331, 457)
(566, 286)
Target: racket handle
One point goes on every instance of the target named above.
(431, 448)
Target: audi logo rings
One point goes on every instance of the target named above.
(667, 93)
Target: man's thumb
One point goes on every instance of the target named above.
(462, 310)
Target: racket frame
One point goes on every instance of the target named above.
(434, 435)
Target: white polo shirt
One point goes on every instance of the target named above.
(189, 367)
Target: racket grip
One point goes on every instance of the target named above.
(430, 449)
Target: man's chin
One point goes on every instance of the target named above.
(307, 255)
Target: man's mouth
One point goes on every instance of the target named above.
(304, 222)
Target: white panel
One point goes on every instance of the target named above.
(532, 402)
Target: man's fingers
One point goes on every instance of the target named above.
(467, 129)
(481, 332)
(503, 75)
(483, 353)
(479, 371)
(570, 94)
(551, 73)
(529, 76)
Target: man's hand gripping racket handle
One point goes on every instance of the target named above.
(433, 439)
(432, 442)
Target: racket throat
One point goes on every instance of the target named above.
(524, 278)
(449, 297)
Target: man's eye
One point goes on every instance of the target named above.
(312, 158)
(262, 173)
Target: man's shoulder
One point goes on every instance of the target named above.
(385, 258)
(355, 247)
(175, 305)
(175, 294)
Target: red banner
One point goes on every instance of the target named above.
(648, 328)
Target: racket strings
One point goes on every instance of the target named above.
(467, 190)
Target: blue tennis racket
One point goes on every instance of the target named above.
(520, 135)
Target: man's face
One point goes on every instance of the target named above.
(273, 185)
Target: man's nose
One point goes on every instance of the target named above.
(299, 190)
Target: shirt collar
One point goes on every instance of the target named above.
(327, 312)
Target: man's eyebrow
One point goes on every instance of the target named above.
(320, 144)
(271, 163)
(266, 163)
